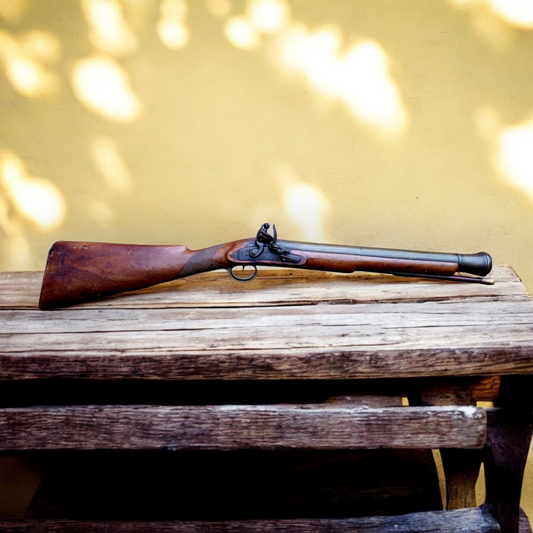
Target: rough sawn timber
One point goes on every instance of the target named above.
(478, 520)
(227, 427)
(272, 287)
(209, 327)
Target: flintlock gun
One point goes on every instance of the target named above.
(80, 271)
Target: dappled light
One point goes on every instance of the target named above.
(268, 16)
(148, 121)
(111, 165)
(41, 46)
(516, 12)
(359, 76)
(25, 61)
(29, 78)
(218, 8)
(6, 222)
(514, 156)
(171, 27)
(241, 33)
(261, 17)
(35, 199)
(102, 85)
(306, 206)
(108, 29)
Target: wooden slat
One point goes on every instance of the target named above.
(460, 391)
(273, 287)
(229, 427)
(458, 521)
(317, 342)
(209, 327)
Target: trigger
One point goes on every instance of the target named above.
(250, 278)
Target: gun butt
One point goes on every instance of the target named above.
(80, 271)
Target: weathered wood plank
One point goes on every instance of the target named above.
(374, 318)
(229, 427)
(460, 391)
(161, 357)
(330, 342)
(523, 522)
(214, 328)
(459, 521)
(20, 290)
(291, 364)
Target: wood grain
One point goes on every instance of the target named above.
(459, 521)
(508, 443)
(80, 271)
(286, 325)
(228, 427)
(461, 467)
(291, 325)
(273, 287)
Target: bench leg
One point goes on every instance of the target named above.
(461, 467)
(508, 440)
(461, 470)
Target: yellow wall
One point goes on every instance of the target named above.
(398, 124)
(405, 124)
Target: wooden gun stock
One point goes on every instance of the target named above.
(80, 271)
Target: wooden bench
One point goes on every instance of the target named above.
(303, 401)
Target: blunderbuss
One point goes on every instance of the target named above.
(80, 271)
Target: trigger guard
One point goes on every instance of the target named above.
(230, 272)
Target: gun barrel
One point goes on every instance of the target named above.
(479, 264)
